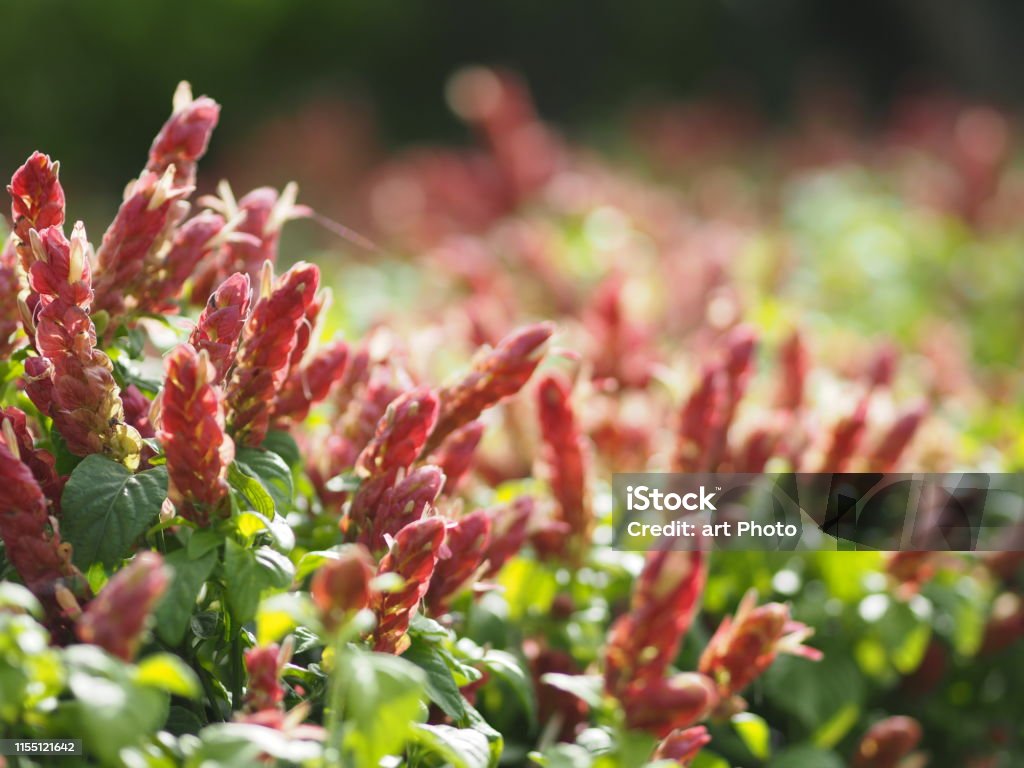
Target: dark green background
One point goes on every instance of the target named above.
(89, 80)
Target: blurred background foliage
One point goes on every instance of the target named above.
(82, 78)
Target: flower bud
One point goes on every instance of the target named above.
(341, 586)
(220, 325)
(887, 742)
(467, 541)
(455, 456)
(661, 706)
(682, 746)
(495, 375)
(413, 557)
(183, 139)
(116, 619)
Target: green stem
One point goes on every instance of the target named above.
(335, 757)
(237, 666)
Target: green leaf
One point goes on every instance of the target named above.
(106, 509)
(381, 701)
(461, 747)
(833, 731)
(248, 573)
(506, 667)
(271, 470)
(111, 711)
(440, 684)
(283, 444)
(754, 733)
(707, 759)
(585, 687)
(239, 745)
(168, 673)
(251, 488)
(806, 757)
(174, 611)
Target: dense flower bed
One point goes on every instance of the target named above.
(244, 537)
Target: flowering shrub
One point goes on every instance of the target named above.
(241, 542)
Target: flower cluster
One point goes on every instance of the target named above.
(192, 432)
(745, 645)
(116, 619)
(643, 642)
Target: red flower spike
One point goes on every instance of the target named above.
(31, 540)
(82, 397)
(164, 278)
(264, 666)
(220, 325)
(794, 363)
(310, 383)
(682, 746)
(621, 348)
(263, 355)
(697, 421)
(566, 460)
(510, 525)
(846, 438)
(153, 206)
(662, 706)
(10, 287)
(37, 201)
(644, 641)
(403, 503)
(745, 646)
(413, 557)
(399, 439)
(887, 742)
(260, 215)
(467, 541)
(40, 462)
(116, 619)
(198, 450)
(455, 456)
(887, 452)
(495, 375)
(341, 586)
(183, 139)
(136, 410)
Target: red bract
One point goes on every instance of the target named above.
(341, 586)
(846, 438)
(467, 541)
(152, 207)
(31, 541)
(37, 201)
(495, 375)
(745, 646)
(310, 382)
(413, 558)
(566, 460)
(509, 528)
(793, 366)
(455, 456)
(40, 462)
(399, 439)
(708, 413)
(220, 325)
(183, 139)
(621, 348)
(74, 384)
(10, 286)
(264, 665)
(404, 502)
(258, 218)
(263, 355)
(643, 642)
(682, 746)
(886, 454)
(116, 619)
(164, 277)
(887, 742)
(661, 706)
(192, 432)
